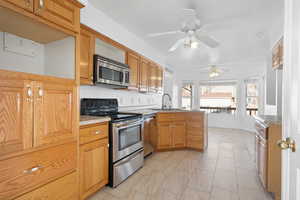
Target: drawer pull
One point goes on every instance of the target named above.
(34, 169)
(97, 132)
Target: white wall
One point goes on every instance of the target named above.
(100, 22)
(18, 62)
(60, 58)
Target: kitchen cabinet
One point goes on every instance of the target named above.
(277, 55)
(31, 170)
(54, 190)
(152, 77)
(87, 48)
(179, 134)
(144, 75)
(133, 61)
(180, 130)
(268, 156)
(64, 13)
(25, 4)
(93, 158)
(16, 105)
(165, 135)
(159, 79)
(54, 109)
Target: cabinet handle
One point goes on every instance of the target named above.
(41, 3)
(29, 94)
(41, 92)
(32, 170)
(97, 132)
(107, 145)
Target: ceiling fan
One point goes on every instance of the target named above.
(194, 33)
(214, 71)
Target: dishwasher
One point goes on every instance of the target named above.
(149, 128)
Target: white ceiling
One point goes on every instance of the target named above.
(241, 26)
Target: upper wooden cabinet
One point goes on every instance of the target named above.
(25, 4)
(133, 61)
(159, 79)
(152, 77)
(87, 49)
(54, 109)
(64, 13)
(144, 75)
(16, 105)
(277, 55)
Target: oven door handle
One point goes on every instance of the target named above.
(128, 125)
(125, 160)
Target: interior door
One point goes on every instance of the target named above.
(291, 101)
(16, 107)
(54, 109)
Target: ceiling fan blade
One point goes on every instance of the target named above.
(176, 45)
(209, 41)
(163, 33)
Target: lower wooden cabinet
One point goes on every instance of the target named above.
(179, 134)
(165, 135)
(26, 172)
(93, 162)
(180, 130)
(65, 188)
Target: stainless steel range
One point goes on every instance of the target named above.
(126, 151)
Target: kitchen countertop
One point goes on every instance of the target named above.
(154, 111)
(269, 119)
(86, 120)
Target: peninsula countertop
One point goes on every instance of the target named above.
(269, 119)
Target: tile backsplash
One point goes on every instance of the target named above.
(127, 99)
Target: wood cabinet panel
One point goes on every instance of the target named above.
(87, 49)
(152, 77)
(179, 134)
(54, 190)
(25, 4)
(26, 172)
(63, 13)
(93, 167)
(159, 79)
(165, 136)
(16, 107)
(133, 61)
(54, 110)
(95, 132)
(144, 79)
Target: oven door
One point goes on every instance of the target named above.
(127, 138)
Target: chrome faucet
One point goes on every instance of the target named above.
(163, 102)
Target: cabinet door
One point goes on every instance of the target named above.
(54, 113)
(93, 167)
(262, 160)
(25, 4)
(133, 61)
(165, 136)
(144, 67)
(179, 134)
(63, 13)
(16, 107)
(87, 49)
(159, 79)
(152, 77)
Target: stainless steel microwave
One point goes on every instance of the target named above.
(107, 71)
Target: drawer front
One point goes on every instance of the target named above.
(194, 116)
(261, 130)
(195, 142)
(92, 133)
(54, 190)
(165, 117)
(194, 129)
(23, 173)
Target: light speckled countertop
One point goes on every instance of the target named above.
(86, 120)
(269, 119)
(154, 111)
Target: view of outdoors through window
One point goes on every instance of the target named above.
(187, 96)
(218, 98)
(252, 98)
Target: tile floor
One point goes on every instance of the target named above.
(225, 171)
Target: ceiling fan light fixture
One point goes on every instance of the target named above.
(214, 74)
(194, 45)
